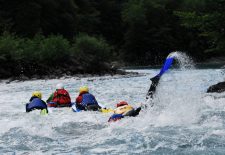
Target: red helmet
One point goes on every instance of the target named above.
(122, 103)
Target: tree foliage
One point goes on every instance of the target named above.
(209, 20)
(141, 32)
(91, 52)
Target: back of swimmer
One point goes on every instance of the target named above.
(123, 109)
(60, 98)
(36, 102)
(86, 101)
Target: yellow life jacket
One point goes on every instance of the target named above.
(123, 109)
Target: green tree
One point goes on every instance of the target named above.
(88, 17)
(92, 53)
(27, 18)
(134, 18)
(152, 30)
(208, 19)
(111, 27)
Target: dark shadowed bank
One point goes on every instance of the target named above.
(67, 70)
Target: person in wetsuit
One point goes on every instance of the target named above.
(36, 102)
(124, 109)
(86, 101)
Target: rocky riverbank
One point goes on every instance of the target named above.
(23, 72)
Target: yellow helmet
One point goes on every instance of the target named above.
(84, 89)
(37, 94)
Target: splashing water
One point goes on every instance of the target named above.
(181, 103)
(184, 61)
(184, 120)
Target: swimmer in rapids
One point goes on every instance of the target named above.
(124, 109)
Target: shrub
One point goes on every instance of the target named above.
(92, 52)
(54, 50)
(10, 47)
(32, 56)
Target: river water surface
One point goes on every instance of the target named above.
(183, 120)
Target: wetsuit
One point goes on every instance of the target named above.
(87, 101)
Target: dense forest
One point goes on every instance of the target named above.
(44, 37)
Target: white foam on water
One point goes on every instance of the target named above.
(180, 104)
(185, 62)
(184, 119)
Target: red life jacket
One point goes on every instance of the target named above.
(61, 97)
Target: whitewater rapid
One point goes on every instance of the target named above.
(183, 120)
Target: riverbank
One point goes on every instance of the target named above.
(66, 74)
(119, 73)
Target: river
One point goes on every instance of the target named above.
(183, 120)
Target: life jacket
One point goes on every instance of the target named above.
(36, 103)
(62, 98)
(88, 99)
(123, 109)
(131, 113)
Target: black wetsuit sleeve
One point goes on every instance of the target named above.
(152, 89)
(27, 108)
(133, 112)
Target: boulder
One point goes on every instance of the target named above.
(218, 88)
